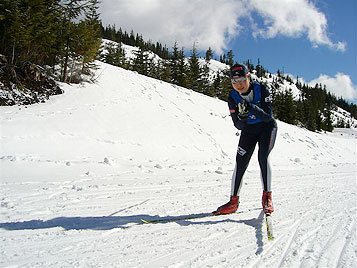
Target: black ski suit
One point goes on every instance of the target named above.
(260, 127)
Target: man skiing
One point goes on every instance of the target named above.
(250, 108)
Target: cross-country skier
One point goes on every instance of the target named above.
(250, 108)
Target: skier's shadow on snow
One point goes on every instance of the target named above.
(103, 222)
(124, 222)
(79, 223)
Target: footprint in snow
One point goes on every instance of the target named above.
(107, 161)
(158, 166)
(219, 170)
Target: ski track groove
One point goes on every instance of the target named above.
(352, 232)
(333, 239)
(299, 239)
(272, 246)
(289, 243)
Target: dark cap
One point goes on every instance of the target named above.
(238, 70)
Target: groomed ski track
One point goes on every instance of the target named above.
(309, 232)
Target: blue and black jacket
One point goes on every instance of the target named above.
(260, 110)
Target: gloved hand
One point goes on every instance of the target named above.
(243, 110)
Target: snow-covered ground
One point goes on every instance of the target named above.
(80, 171)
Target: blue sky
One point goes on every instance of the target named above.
(312, 39)
(297, 56)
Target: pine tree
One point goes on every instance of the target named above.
(288, 108)
(310, 122)
(152, 66)
(115, 55)
(132, 38)
(217, 84)
(259, 69)
(174, 65)
(194, 76)
(89, 37)
(328, 124)
(71, 34)
(222, 58)
(182, 69)
(209, 54)
(141, 62)
(230, 58)
(225, 86)
(249, 65)
(165, 71)
(205, 85)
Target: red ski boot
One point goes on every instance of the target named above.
(267, 203)
(228, 208)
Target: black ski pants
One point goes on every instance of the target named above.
(264, 134)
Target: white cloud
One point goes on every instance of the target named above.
(208, 22)
(215, 22)
(340, 85)
(293, 18)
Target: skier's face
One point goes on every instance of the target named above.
(240, 84)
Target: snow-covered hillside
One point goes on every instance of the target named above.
(339, 115)
(80, 171)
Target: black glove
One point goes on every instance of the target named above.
(243, 110)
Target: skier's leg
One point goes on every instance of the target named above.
(246, 147)
(266, 144)
(245, 150)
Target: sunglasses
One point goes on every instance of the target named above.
(240, 79)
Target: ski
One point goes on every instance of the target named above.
(269, 223)
(178, 218)
(188, 217)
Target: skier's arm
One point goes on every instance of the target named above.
(265, 113)
(239, 124)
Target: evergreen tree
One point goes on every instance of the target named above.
(209, 54)
(165, 71)
(174, 65)
(249, 65)
(141, 62)
(284, 107)
(194, 75)
(71, 34)
(115, 55)
(225, 86)
(328, 120)
(205, 85)
(89, 37)
(182, 69)
(132, 41)
(178, 67)
(259, 70)
(230, 58)
(217, 84)
(222, 58)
